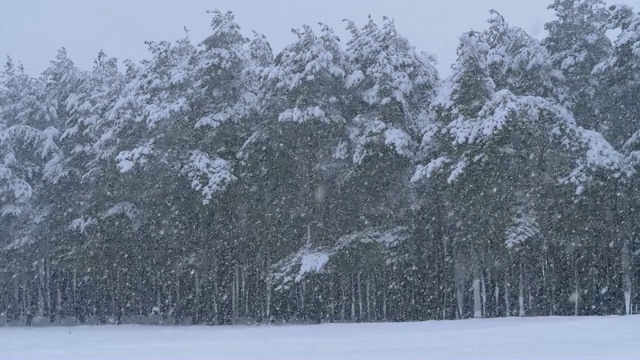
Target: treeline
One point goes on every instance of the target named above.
(334, 181)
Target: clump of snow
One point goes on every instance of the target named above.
(11, 210)
(302, 115)
(427, 171)
(312, 263)
(82, 223)
(386, 237)
(341, 151)
(368, 131)
(458, 169)
(399, 139)
(127, 160)
(599, 156)
(207, 175)
(126, 208)
(316, 260)
(524, 227)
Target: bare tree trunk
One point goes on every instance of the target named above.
(627, 276)
(216, 290)
(543, 268)
(178, 302)
(343, 294)
(521, 311)
(577, 288)
(141, 303)
(112, 286)
(40, 309)
(74, 296)
(507, 300)
(245, 291)
(445, 267)
(159, 293)
(16, 294)
(360, 307)
(268, 288)
(375, 299)
(332, 301)
(553, 299)
(496, 289)
(41, 287)
(368, 285)
(444, 306)
(477, 300)
(353, 299)
(460, 287)
(58, 297)
(235, 297)
(484, 294)
(477, 296)
(47, 286)
(170, 304)
(118, 296)
(196, 280)
(385, 287)
(302, 294)
(26, 295)
(460, 302)
(267, 299)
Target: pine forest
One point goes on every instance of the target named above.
(337, 180)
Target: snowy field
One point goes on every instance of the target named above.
(530, 338)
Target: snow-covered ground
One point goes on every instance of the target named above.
(529, 338)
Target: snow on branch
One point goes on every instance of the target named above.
(207, 175)
(81, 224)
(524, 226)
(127, 160)
(299, 265)
(427, 171)
(551, 122)
(301, 115)
(599, 155)
(372, 130)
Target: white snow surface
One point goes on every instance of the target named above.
(511, 338)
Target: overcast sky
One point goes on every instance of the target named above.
(32, 30)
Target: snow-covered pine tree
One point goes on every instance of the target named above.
(390, 86)
(520, 63)
(617, 77)
(618, 103)
(499, 148)
(577, 42)
(31, 164)
(459, 99)
(214, 182)
(290, 153)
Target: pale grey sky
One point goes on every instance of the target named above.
(32, 30)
